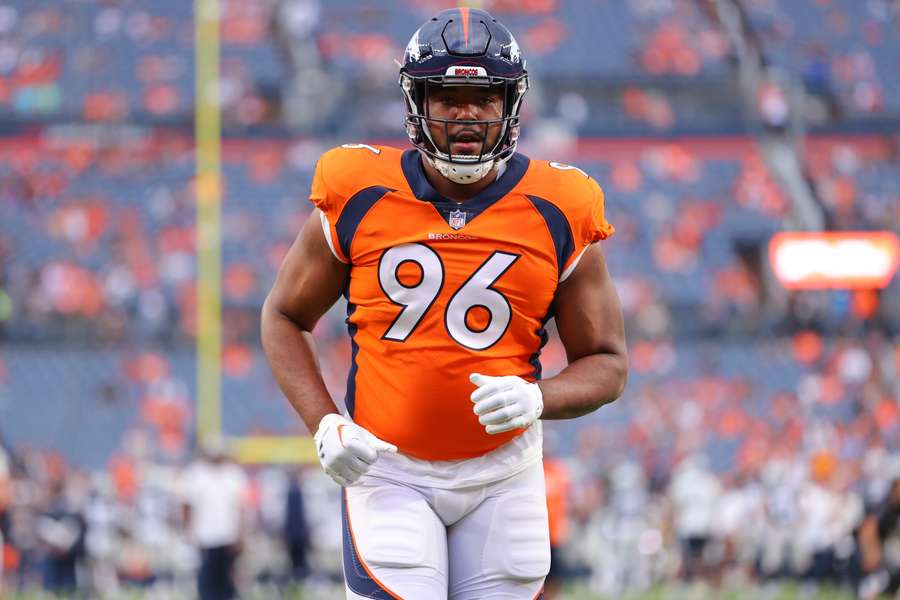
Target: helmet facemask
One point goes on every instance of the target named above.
(463, 168)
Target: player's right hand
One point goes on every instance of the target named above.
(346, 450)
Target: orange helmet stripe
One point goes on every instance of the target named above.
(465, 22)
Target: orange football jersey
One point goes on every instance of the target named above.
(440, 289)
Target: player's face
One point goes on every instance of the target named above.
(465, 104)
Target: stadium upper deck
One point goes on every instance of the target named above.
(133, 61)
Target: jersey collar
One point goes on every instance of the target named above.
(500, 187)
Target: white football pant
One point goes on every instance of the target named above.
(420, 543)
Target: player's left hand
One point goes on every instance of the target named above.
(506, 403)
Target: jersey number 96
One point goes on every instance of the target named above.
(474, 293)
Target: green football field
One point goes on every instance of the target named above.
(671, 592)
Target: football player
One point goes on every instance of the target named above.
(452, 256)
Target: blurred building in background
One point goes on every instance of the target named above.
(711, 125)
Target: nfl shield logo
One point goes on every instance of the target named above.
(457, 219)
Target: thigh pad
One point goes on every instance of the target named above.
(521, 546)
(395, 528)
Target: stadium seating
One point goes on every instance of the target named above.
(840, 47)
(122, 62)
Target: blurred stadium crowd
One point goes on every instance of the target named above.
(747, 404)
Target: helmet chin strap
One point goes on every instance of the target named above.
(465, 174)
(458, 173)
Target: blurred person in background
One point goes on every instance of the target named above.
(622, 525)
(296, 529)
(22, 535)
(879, 545)
(777, 545)
(557, 480)
(311, 94)
(818, 80)
(695, 492)
(741, 503)
(452, 257)
(61, 531)
(214, 492)
(774, 106)
(828, 515)
(4, 514)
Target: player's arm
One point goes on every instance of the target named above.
(309, 282)
(592, 330)
(870, 544)
(590, 324)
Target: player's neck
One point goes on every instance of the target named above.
(459, 192)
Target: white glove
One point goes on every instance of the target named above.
(506, 403)
(346, 450)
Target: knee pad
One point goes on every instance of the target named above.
(523, 536)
